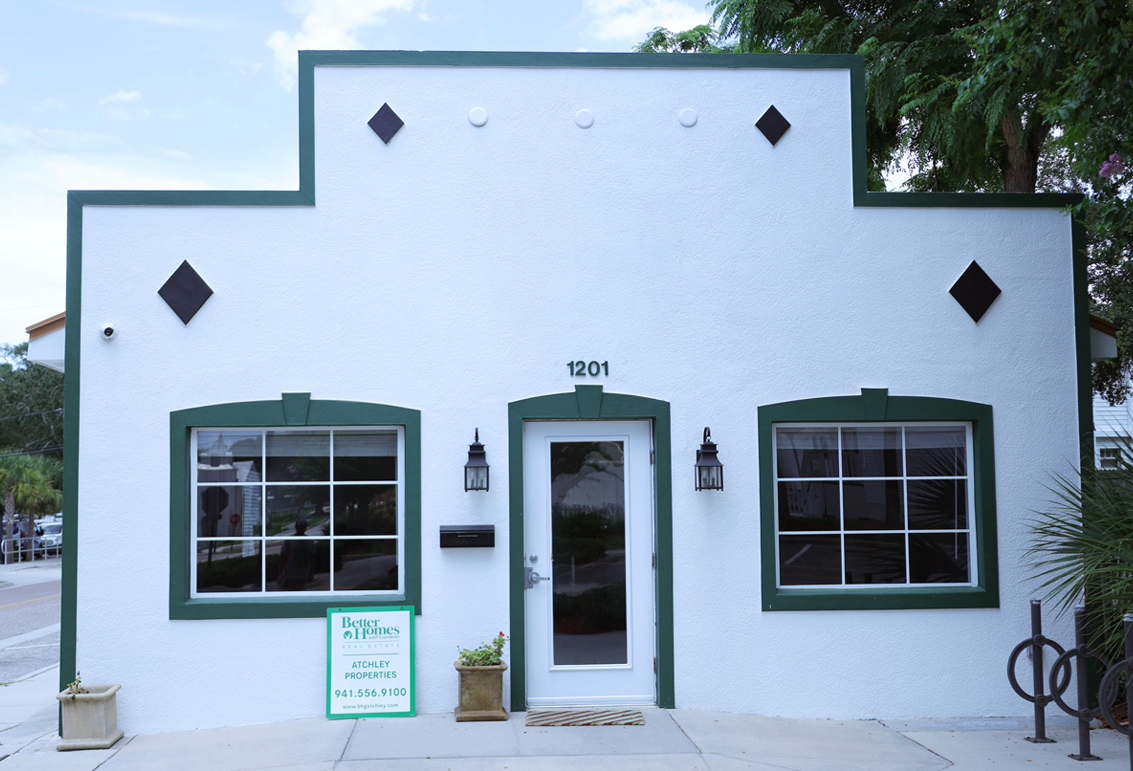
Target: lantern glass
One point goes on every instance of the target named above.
(475, 478)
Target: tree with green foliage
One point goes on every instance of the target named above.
(701, 39)
(30, 486)
(31, 405)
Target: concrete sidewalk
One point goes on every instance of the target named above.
(33, 572)
(671, 740)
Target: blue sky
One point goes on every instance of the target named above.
(200, 95)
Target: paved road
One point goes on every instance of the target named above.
(29, 628)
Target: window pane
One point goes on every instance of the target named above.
(810, 559)
(875, 559)
(808, 506)
(935, 452)
(807, 452)
(298, 565)
(228, 511)
(298, 510)
(588, 540)
(229, 456)
(1110, 458)
(229, 566)
(939, 558)
(298, 456)
(938, 504)
(873, 504)
(871, 452)
(365, 564)
(365, 510)
(365, 456)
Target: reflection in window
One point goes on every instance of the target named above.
(588, 538)
(873, 504)
(324, 517)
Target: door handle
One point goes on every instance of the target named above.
(531, 578)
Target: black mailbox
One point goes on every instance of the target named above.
(467, 535)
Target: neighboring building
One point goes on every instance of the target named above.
(46, 342)
(1113, 424)
(589, 258)
(1113, 432)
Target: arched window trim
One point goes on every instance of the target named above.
(291, 410)
(875, 405)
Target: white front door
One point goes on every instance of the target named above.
(588, 556)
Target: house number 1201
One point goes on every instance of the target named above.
(593, 369)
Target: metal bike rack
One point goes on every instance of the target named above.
(1081, 651)
(1109, 685)
(1040, 698)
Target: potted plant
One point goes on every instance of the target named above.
(482, 681)
(90, 716)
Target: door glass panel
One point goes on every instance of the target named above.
(588, 539)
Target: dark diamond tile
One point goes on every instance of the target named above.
(185, 292)
(773, 125)
(385, 123)
(975, 291)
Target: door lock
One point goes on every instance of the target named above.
(531, 578)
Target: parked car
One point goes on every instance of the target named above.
(50, 539)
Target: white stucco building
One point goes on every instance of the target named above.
(590, 258)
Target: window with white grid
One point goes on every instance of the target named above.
(297, 511)
(874, 504)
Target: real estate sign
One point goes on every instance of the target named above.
(370, 662)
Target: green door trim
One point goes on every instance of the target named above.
(590, 403)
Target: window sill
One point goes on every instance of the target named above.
(278, 607)
(888, 598)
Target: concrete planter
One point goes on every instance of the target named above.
(90, 720)
(481, 693)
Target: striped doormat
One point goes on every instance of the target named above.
(553, 717)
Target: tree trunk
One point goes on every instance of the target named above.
(1021, 165)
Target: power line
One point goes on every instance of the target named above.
(31, 414)
(50, 448)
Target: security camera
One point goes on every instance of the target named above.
(109, 331)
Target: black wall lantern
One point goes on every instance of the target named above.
(709, 469)
(476, 469)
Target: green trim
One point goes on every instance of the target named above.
(1085, 393)
(275, 413)
(875, 405)
(305, 196)
(1082, 345)
(68, 616)
(589, 402)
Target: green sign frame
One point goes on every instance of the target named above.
(375, 627)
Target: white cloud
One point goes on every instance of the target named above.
(326, 25)
(121, 96)
(632, 20)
